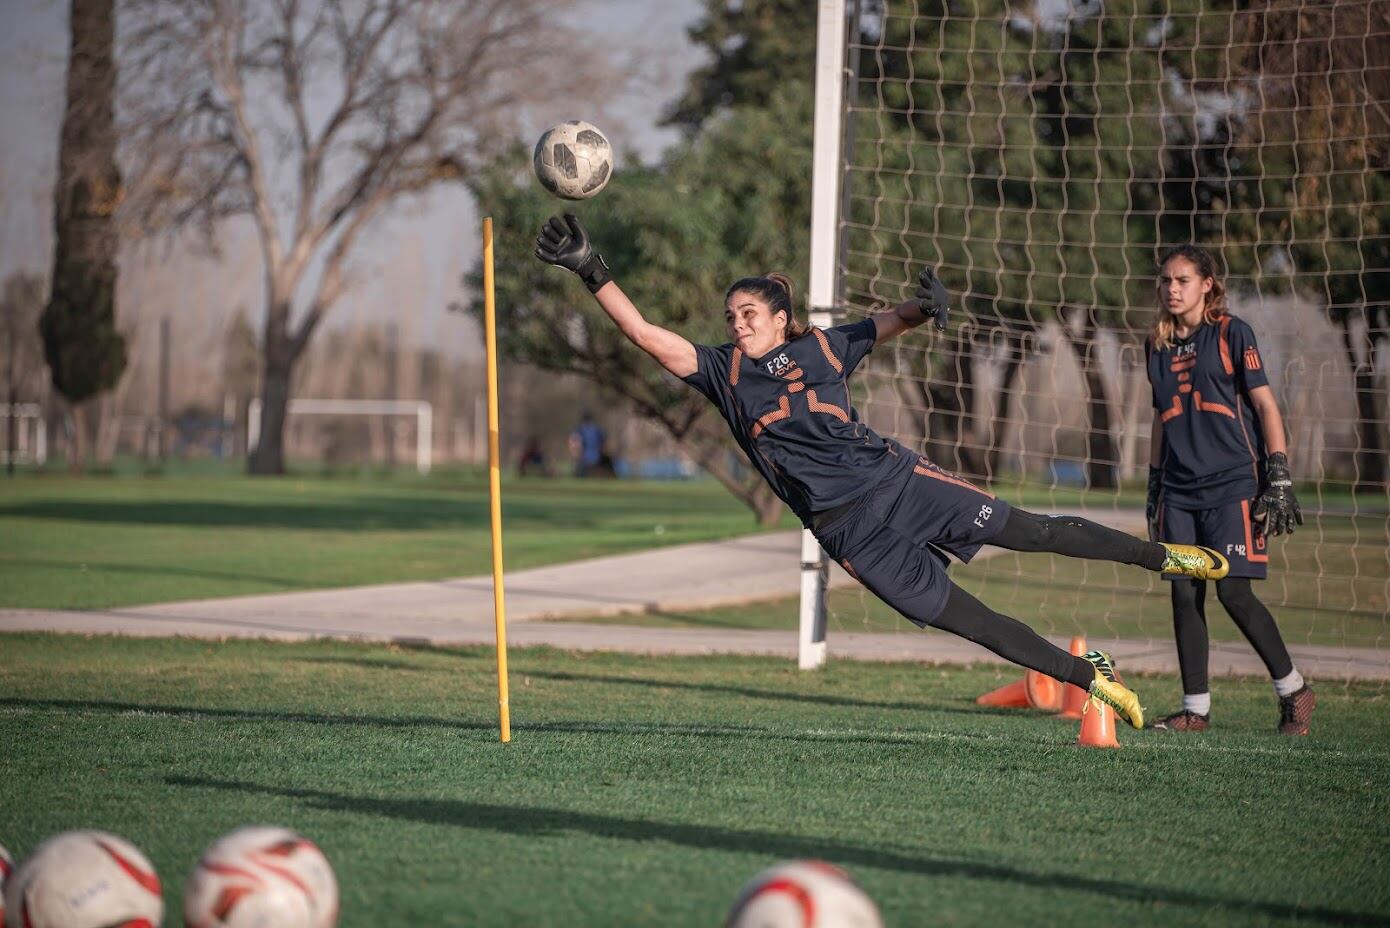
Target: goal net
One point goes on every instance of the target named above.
(1040, 155)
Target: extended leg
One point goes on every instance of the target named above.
(1074, 536)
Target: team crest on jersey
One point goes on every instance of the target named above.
(1252, 359)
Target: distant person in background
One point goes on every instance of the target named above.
(587, 446)
(1218, 476)
(532, 462)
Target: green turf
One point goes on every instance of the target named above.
(100, 542)
(640, 791)
(1328, 586)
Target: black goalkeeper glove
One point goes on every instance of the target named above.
(1276, 509)
(932, 298)
(1151, 504)
(566, 244)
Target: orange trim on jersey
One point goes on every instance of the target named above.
(827, 408)
(795, 373)
(926, 470)
(844, 562)
(1184, 377)
(733, 366)
(829, 355)
(1182, 365)
(795, 387)
(1252, 359)
(1225, 347)
(1211, 407)
(1184, 388)
(1173, 411)
(783, 411)
(1250, 539)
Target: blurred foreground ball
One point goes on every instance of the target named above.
(84, 879)
(803, 894)
(261, 877)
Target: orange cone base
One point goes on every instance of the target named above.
(1074, 697)
(1012, 696)
(1098, 727)
(1043, 691)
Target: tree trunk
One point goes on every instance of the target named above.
(269, 456)
(950, 402)
(1013, 362)
(81, 439)
(755, 494)
(1100, 443)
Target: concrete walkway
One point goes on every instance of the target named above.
(673, 579)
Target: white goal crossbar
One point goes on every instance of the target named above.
(420, 409)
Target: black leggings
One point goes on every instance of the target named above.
(1073, 536)
(1250, 615)
(1076, 537)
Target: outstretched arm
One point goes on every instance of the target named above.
(930, 303)
(566, 245)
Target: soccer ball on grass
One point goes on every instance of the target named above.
(84, 879)
(261, 875)
(803, 894)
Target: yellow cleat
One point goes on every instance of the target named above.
(1194, 561)
(1105, 688)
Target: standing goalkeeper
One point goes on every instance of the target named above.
(1218, 476)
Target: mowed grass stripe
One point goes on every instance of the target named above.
(644, 792)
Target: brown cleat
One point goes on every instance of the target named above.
(1184, 721)
(1295, 710)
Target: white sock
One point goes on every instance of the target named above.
(1287, 686)
(1199, 703)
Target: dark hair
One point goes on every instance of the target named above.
(775, 290)
(1214, 303)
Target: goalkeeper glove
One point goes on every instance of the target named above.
(1276, 509)
(1151, 504)
(932, 298)
(566, 245)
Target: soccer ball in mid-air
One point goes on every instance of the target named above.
(803, 894)
(258, 876)
(84, 879)
(6, 867)
(573, 160)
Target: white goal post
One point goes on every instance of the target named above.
(825, 225)
(421, 410)
(31, 443)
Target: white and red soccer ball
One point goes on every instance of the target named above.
(84, 879)
(261, 876)
(6, 868)
(803, 894)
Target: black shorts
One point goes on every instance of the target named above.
(1227, 528)
(894, 541)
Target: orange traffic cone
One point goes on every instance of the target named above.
(1043, 691)
(1074, 697)
(1010, 696)
(1098, 727)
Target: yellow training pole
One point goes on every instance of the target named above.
(494, 467)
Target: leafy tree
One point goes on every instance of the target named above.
(86, 355)
(755, 48)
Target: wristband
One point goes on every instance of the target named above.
(594, 273)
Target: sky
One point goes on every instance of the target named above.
(408, 268)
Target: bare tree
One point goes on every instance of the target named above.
(313, 118)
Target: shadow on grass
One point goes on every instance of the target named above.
(901, 737)
(391, 513)
(540, 822)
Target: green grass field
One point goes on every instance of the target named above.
(644, 792)
(101, 542)
(1328, 586)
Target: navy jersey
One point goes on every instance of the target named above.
(790, 412)
(1212, 443)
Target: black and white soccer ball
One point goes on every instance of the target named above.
(803, 894)
(261, 876)
(84, 879)
(573, 160)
